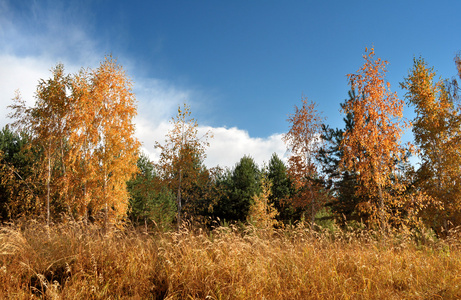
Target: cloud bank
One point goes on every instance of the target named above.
(157, 99)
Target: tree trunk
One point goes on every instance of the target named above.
(179, 199)
(48, 191)
(381, 208)
(312, 205)
(105, 201)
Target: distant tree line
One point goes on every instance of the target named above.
(73, 155)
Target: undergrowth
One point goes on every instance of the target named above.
(73, 261)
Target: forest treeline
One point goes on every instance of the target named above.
(73, 155)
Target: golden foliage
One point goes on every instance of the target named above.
(437, 132)
(263, 214)
(84, 125)
(372, 148)
(77, 262)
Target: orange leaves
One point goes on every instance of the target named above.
(83, 123)
(303, 140)
(112, 147)
(372, 147)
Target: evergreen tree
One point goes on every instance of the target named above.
(17, 187)
(281, 190)
(150, 200)
(239, 186)
(341, 182)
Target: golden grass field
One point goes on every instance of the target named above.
(72, 261)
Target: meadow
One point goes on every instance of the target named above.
(73, 261)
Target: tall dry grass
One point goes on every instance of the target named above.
(80, 262)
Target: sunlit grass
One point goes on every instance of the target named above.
(73, 261)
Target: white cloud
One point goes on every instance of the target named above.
(157, 104)
(231, 144)
(226, 148)
(19, 73)
(27, 55)
(158, 101)
(23, 74)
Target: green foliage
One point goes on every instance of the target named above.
(198, 191)
(281, 190)
(340, 181)
(239, 186)
(17, 186)
(181, 161)
(150, 201)
(324, 219)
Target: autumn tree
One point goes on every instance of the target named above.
(262, 213)
(181, 157)
(437, 132)
(113, 144)
(83, 126)
(47, 125)
(373, 146)
(302, 141)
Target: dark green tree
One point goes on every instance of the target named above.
(150, 200)
(340, 182)
(281, 190)
(238, 186)
(17, 186)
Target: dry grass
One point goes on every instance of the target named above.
(77, 262)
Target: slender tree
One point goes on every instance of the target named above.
(302, 141)
(116, 148)
(181, 156)
(372, 147)
(83, 127)
(262, 212)
(437, 132)
(47, 124)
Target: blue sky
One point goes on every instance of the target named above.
(241, 65)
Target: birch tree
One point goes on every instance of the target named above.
(181, 155)
(302, 141)
(372, 147)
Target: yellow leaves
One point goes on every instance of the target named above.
(263, 214)
(437, 134)
(373, 146)
(84, 124)
(105, 133)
